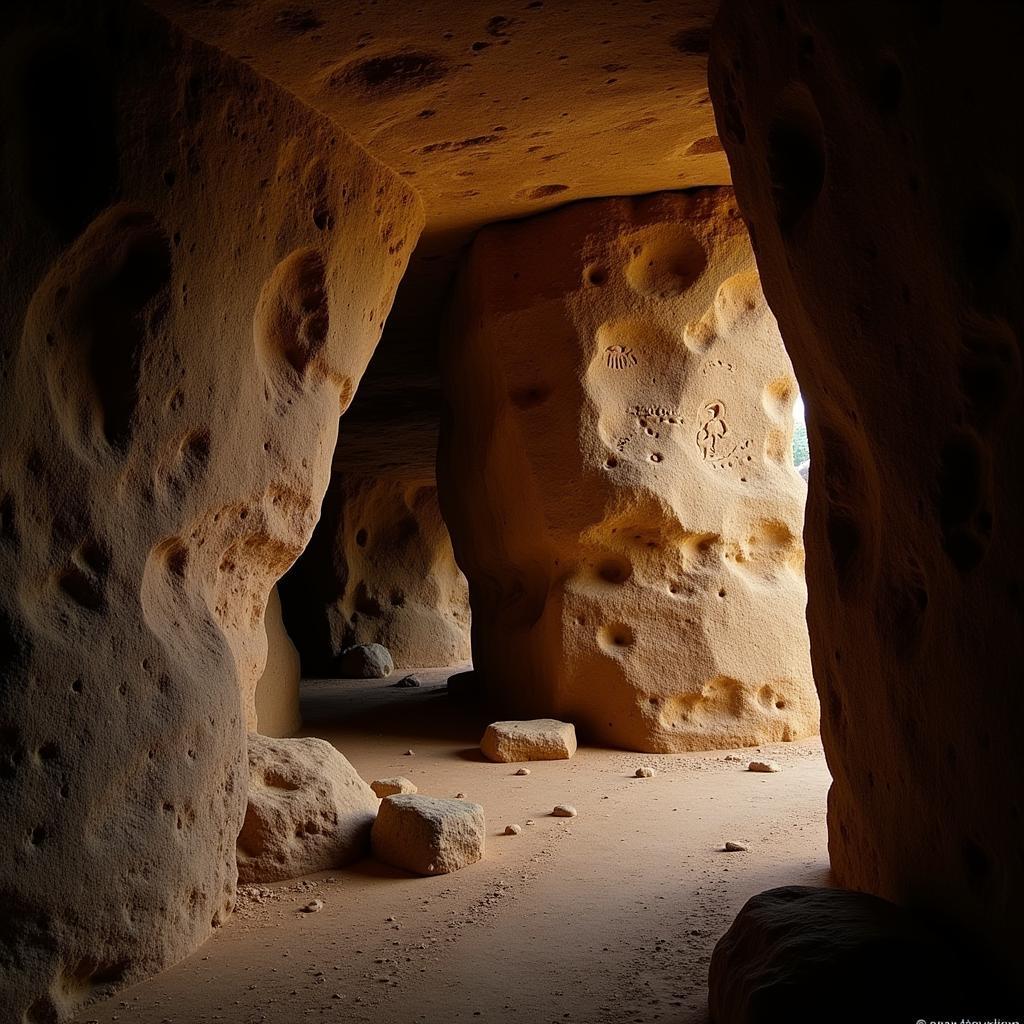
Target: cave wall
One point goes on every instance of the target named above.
(278, 712)
(616, 472)
(379, 569)
(196, 270)
(881, 181)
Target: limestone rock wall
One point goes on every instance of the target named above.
(881, 179)
(380, 569)
(277, 691)
(616, 473)
(195, 272)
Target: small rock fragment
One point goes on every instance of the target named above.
(564, 811)
(731, 757)
(313, 906)
(460, 796)
(513, 830)
(530, 821)
(522, 771)
(406, 682)
(733, 847)
(644, 773)
(764, 766)
(392, 785)
(408, 753)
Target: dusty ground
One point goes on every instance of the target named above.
(607, 917)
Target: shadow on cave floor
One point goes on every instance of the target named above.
(378, 707)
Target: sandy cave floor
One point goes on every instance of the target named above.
(607, 917)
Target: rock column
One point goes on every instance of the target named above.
(196, 270)
(617, 476)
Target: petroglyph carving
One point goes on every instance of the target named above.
(620, 357)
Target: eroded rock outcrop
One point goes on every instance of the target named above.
(896, 283)
(617, 476)
(379, 570)
(196, 270)
(308, 810)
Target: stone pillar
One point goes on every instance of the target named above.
(380, 569)
(196, 270)
(877, 162)
(617, 476)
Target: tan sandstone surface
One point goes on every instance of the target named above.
(616, 473)
(277, 691)
(896, 282)
(554, 924)
(196, 269)
(379, 569)
(489, 113)
(540, 739)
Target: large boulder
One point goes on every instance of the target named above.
(428, 835)
(616, 471)
(365, 661)
(308, 810)
(540, 739)
(806, 955)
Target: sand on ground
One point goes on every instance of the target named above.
(607, 917)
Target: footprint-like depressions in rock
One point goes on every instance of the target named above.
(84, 578)
(174, 555)
(66, 130)
(190, 459)
(194, 451)
(390, 74)
(292, 319)
(614, 569)
(117, 280)
(80, 587)
(664, 261)
(964, 499)
(796, 155)
(616, 638)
